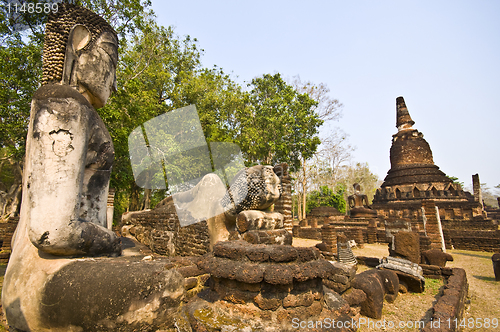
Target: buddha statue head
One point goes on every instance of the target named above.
(81, 50)
(253, 188)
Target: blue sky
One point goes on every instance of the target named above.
(442, 56)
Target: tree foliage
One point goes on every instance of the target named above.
(327, 197)
(157, 72)
(280, 124)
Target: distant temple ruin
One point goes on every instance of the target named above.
(414, 177)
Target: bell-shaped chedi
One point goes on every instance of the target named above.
(413, 175)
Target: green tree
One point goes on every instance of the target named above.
(359, 173)
(326, 197)
(279, 125)
(20, 60)
(454, 179)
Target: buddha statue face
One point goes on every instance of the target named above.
(96, 70)
(91, 70)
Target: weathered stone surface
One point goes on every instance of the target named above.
(406, 246)
(333, 300)
(235, 250)
(276, 236)
(408, 273)
(250, 273)
(413, 284)
(336, 286)
(268, 301)
(347, 270)
(282, 253)
(450, 306)
(253, 188)
(68, 162)
(303, 299)
(258, 253)
(190, 271)
(190, 282)
(314, 269)
(368, 261)
(233, 294)
(87, 293)
(496, 266)
(354, 297)
(306, 254)
(279, 274)
(250, 220)
(370, 283)
(390, 282)
(436, 257)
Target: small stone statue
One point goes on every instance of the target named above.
(358, 204)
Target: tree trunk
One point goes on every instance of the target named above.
(134, 204)
(147, 199)
(304, 189)
(299, 206)
(10, 201)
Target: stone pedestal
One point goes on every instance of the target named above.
(264, 287)
(329, 235)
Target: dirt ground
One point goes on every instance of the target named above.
(484, 292)
(483, 298)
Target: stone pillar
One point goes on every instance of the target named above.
(371, 233)
(110, 208)
(329, 238)
(476, 186)
(406, 245)
(433, 224)
(284, 204)
(314, 222)
(496, 266)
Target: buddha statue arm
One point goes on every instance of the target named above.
(58, 143)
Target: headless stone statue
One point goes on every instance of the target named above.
(69, 155)
(358, 204)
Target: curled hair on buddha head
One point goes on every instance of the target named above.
(57, 31)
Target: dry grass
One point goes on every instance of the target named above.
(484, 291)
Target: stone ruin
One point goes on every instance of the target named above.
(415, 189)
(415, 196)
(235, 269)
(68, 271)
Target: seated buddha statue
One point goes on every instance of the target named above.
(358, 204)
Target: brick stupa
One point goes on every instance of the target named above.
(414, 177)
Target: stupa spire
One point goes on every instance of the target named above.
(403, 118)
